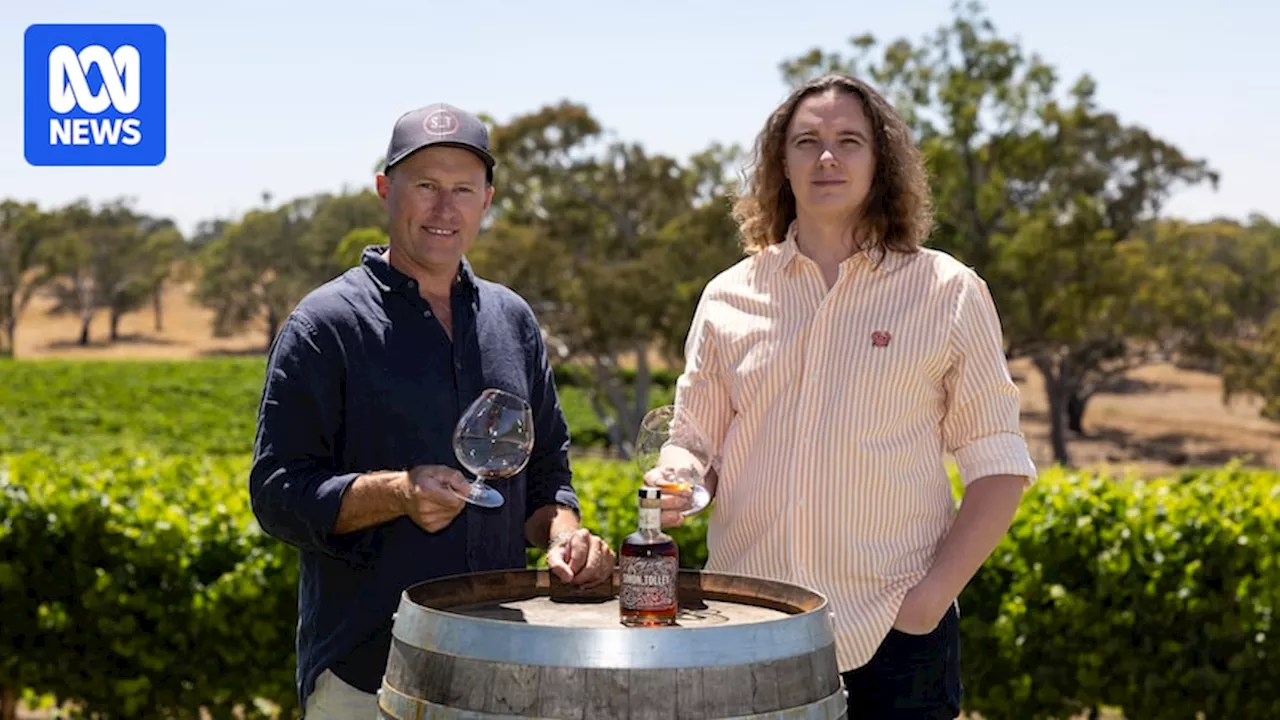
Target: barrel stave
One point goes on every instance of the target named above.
(498, 688)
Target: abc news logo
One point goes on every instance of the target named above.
(95, 95)
(69, 89)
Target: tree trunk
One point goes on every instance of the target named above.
(8, 704)
(87, 294)
(9, 313)
(610, 425)
(157, 303)
(1076, 404)
(1058, 395)
(115, 325)
(11, 334)
(623, 423)
(273, 326)
(86, 319)
(641, 388)
(1058, 427)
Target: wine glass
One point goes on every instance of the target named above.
(493, 439)
(687, 462)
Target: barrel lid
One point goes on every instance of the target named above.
(726, 630)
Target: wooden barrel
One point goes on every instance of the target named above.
(520, 644)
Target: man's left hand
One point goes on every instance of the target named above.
(582, 559)
(922, 609)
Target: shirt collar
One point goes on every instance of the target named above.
(389, 279)
(786, 252)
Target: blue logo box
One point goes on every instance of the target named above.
(94, 95)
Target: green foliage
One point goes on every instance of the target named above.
(260, 265)
(1249, 352)
(1155, 596)
(126, 539)
(1255, 368)
(76, 407)
(611, 244)
(607, 490)
(585, 421)
(138, 585)
(579, 376)
(207, 406)
(352, 246)
(24, 241)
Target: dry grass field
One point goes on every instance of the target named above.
(1167, 418)
(186, 333)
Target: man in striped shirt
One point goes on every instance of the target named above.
(829, 374)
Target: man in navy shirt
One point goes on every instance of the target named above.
(353, 460)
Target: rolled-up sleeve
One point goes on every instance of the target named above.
(295, 485)
(550, 477)
(981, 427)
(702, 402)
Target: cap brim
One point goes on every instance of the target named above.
(488, 159)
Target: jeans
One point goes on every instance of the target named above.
(910, 676)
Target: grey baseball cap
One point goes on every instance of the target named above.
(439, 124)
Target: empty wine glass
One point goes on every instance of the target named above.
(493, 439)
(672, 440)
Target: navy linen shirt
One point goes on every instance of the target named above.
(363, 378)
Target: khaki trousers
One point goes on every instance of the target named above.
(334, 699)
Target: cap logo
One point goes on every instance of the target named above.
(440, 122)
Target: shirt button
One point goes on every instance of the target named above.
(426, 313)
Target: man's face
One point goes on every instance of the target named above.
(830, 156)
(435, 200)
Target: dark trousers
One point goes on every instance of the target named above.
(910, 676)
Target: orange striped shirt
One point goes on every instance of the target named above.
(829, 415)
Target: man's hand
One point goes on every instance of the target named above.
(581, 559)
(431, 499)
(922, 609)
(677, 495)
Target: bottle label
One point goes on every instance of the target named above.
(648, 583)
(650, 518)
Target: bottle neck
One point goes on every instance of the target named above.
(650, 520)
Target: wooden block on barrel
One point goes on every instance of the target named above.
(523, 644)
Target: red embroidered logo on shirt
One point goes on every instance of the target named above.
(880, 338)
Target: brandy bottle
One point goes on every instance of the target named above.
(649, 562)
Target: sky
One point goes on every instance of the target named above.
(296, 98)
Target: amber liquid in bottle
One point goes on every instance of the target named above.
(649, 561)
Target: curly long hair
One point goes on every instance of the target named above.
(898, 211)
